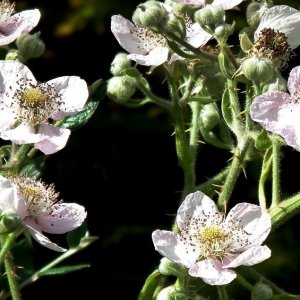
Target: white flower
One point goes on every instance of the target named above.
(13, 25)
(225, 4)
(278, 112)
(210, 244)
(38, 208)
(26, 106)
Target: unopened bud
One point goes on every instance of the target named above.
(30, 45)
(223, 31)
(258, 69)
(254, 13)
(168, 267)
(120, 64)
(121, 88)
(210, 117)
(150, 14)
(261, 291)
(171, 293)
(210, 16)
(9, 222)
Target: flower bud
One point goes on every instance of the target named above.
(150, 14)
(30, 45)
(210, 117)
(258, 69)
(171, 293)
(210, 16)
(261, 291)
(121, 88)
(223, 31)
(176, 24)
(254, 13)
(168, 267)
(9, 222)
(120, 64)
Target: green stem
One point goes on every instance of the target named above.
(6, 243)
(155, 99)
(235, 168)
(265, 170)
(189, 88)
(276, 154)
(194, 130)
(244, 282)
(222, 293)
(227, 52)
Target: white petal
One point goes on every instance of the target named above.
(73, 92)
(212, 272)
(195, 204)
(23, 134)
(43, 240)
(18, 24)
(284, 19)
(54, 139)
(170, 245)
(251, 257)
(196, 36)
(294, 81)
(253, 220)
(65, 217)
(121, 28)
(226, 4)
(155, 57)
(193, 2)
(7, 118)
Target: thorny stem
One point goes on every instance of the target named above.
(275, 172)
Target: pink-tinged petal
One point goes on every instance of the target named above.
(294, 81)
(18, 24)
(253, 220)
(196, 36)
(64, 218)
(192, 2)
(170, 245)
(283, 18)
(226, 4)
(22, 134)
(73, 93)
(54, 139)
(155, 57)
(43, 240)
(122, 28)
(252, 256)
(195, 204)
(211, 272)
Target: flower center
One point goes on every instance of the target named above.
(273, 45)
(38, 196)
(149, 40)
(6, 10)
(35, 103)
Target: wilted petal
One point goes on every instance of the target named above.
(211, 271)
(18, 24)
(73, 93)
(155, 57)
(65, 217)
(54, 139)
(172, 247)
(195, 204)
(43, 240)
(250, 257)
(253, 220)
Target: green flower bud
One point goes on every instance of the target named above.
(121, 88)
(150, 14)
(261, 291)
(120, 64)
(223, 31)
(30, 45)
(168, 267)
(176, 24)
(254, 13)
(258, 69)
(9, 222)
(209, 116)
(210, 16)
(171, 293)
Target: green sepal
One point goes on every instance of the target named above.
(80, 119)
(262, 141)
(174, 46)
(136, 103)
(64, 270)
(225, 65)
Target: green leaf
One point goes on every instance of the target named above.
(80, 119)
(35, 167)
(75, 236)
(63, 270)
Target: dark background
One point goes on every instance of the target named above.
(123, 168)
